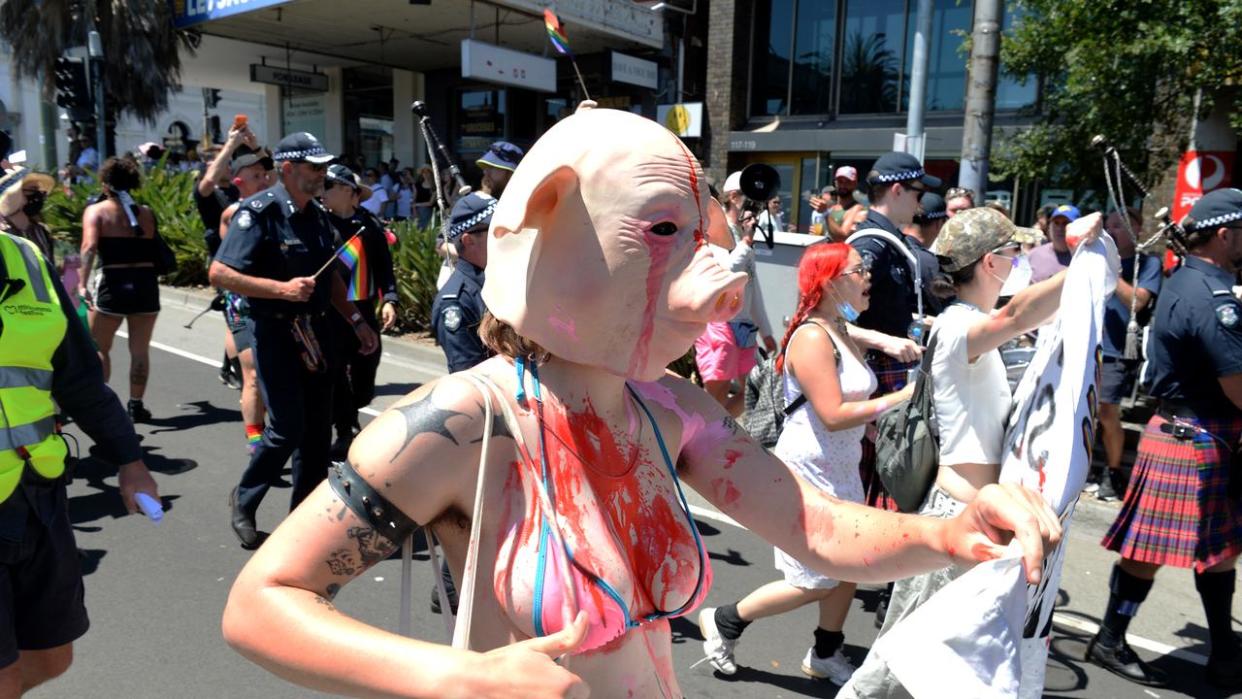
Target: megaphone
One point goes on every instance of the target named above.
(760, 183)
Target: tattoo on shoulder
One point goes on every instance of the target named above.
(424, 417)
(499, 427)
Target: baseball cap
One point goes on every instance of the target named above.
(302, 147)
(934, 208)
(502, 155)
(471, 212)
(245, 156)
(1215, 209)
(848, 172)
(971, 234)
(733, 183)
(339, 174)
(1066, 211)
(900, 167)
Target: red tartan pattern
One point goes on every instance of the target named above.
(1177, 510)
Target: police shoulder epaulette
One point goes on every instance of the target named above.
(260, 201)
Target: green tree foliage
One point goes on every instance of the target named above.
(1127, 69)
(141, 47)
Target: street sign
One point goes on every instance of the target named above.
(635, 71)
(1199, 173)
(493, 64)
(288, 77)
(187, 13)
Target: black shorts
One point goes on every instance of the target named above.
(127, 291)
(42, 602)
(236, 310)
(1117, 377)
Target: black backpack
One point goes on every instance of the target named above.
(765, 399)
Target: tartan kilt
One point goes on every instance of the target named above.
(890, 375)
(1177, 510)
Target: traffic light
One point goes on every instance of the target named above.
(72, 90)
(211, 97)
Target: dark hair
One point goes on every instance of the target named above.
(946, 284)
(120, 174)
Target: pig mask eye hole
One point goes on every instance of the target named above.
(665, 228)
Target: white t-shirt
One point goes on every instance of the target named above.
(376, 203)
(405, 202)
(972, 399)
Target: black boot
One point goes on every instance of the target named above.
(137, 412)
(1122, 661)
(243, 523)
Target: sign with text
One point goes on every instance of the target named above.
(494, 64)
(288, 77)
(684, 119)
(1199, 173)
(187, 13)
(634, 71)
(305, 113)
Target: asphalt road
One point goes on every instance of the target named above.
(155, 593)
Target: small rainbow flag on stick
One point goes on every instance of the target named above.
(560, 42)
(355, 260)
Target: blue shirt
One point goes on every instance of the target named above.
(455, 316)
(270, 237)
(1117, 313)
(893, 300)
(1196, 338)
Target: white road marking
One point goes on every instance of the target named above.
(1062, 619)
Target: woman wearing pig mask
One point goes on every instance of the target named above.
(553, 472)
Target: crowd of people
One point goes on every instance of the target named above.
(911, 276)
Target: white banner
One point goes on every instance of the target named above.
(1048, 446)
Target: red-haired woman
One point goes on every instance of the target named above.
(821, 442)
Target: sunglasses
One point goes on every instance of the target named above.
(862, 269)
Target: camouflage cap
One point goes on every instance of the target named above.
(972, 233)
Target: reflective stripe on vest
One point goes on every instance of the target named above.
(32, 327)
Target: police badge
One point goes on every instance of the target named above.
(244, 220)
(452, 318)
(1227, 314)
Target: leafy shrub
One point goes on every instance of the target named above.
(416, 266)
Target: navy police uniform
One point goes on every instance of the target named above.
(458, 307)
(270, 237)
(894, 294)
(1181, 508)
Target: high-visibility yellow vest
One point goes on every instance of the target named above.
(32, 326)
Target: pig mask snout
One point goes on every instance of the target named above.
(705, 292)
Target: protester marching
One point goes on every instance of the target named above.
(576, 376)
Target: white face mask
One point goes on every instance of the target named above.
(1019, 277)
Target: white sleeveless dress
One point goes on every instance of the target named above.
(827, 460)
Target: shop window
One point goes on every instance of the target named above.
(815, 47)
(769, 91)
(871, 62)
(946, 64)
(480, 120)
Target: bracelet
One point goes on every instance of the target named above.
(355, 317)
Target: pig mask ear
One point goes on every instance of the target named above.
(527, 214)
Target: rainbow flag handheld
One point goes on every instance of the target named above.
(556, 33)
(351, 255)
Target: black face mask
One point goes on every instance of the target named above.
(34, 203)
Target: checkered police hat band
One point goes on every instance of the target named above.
(300, 154)
(899, 176)
(1217, 221)
(463, 226)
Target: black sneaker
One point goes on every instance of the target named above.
(1123, 662)
(230, 379)
(881, 610)
(137, 412)
(1107, 492)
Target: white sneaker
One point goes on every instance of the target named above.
(717, 648)
(835, 668)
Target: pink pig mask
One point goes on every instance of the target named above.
(597, 250)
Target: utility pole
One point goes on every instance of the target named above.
(94, 48)
(918, 78)
(47, 134)
(981, 98)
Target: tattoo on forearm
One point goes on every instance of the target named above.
(327, 603)
(332, 590)
(372, 548)
(424, 417)
(731, 425)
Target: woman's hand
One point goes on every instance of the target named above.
(997, 515)
(388, 316)
(528, 669)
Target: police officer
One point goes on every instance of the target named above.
(372, 287)
(921, 235)
(279, 255)
(458, 308)
(47, 361)
(1184, 504)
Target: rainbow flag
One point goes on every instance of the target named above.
(556, 33)
(352, 257)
